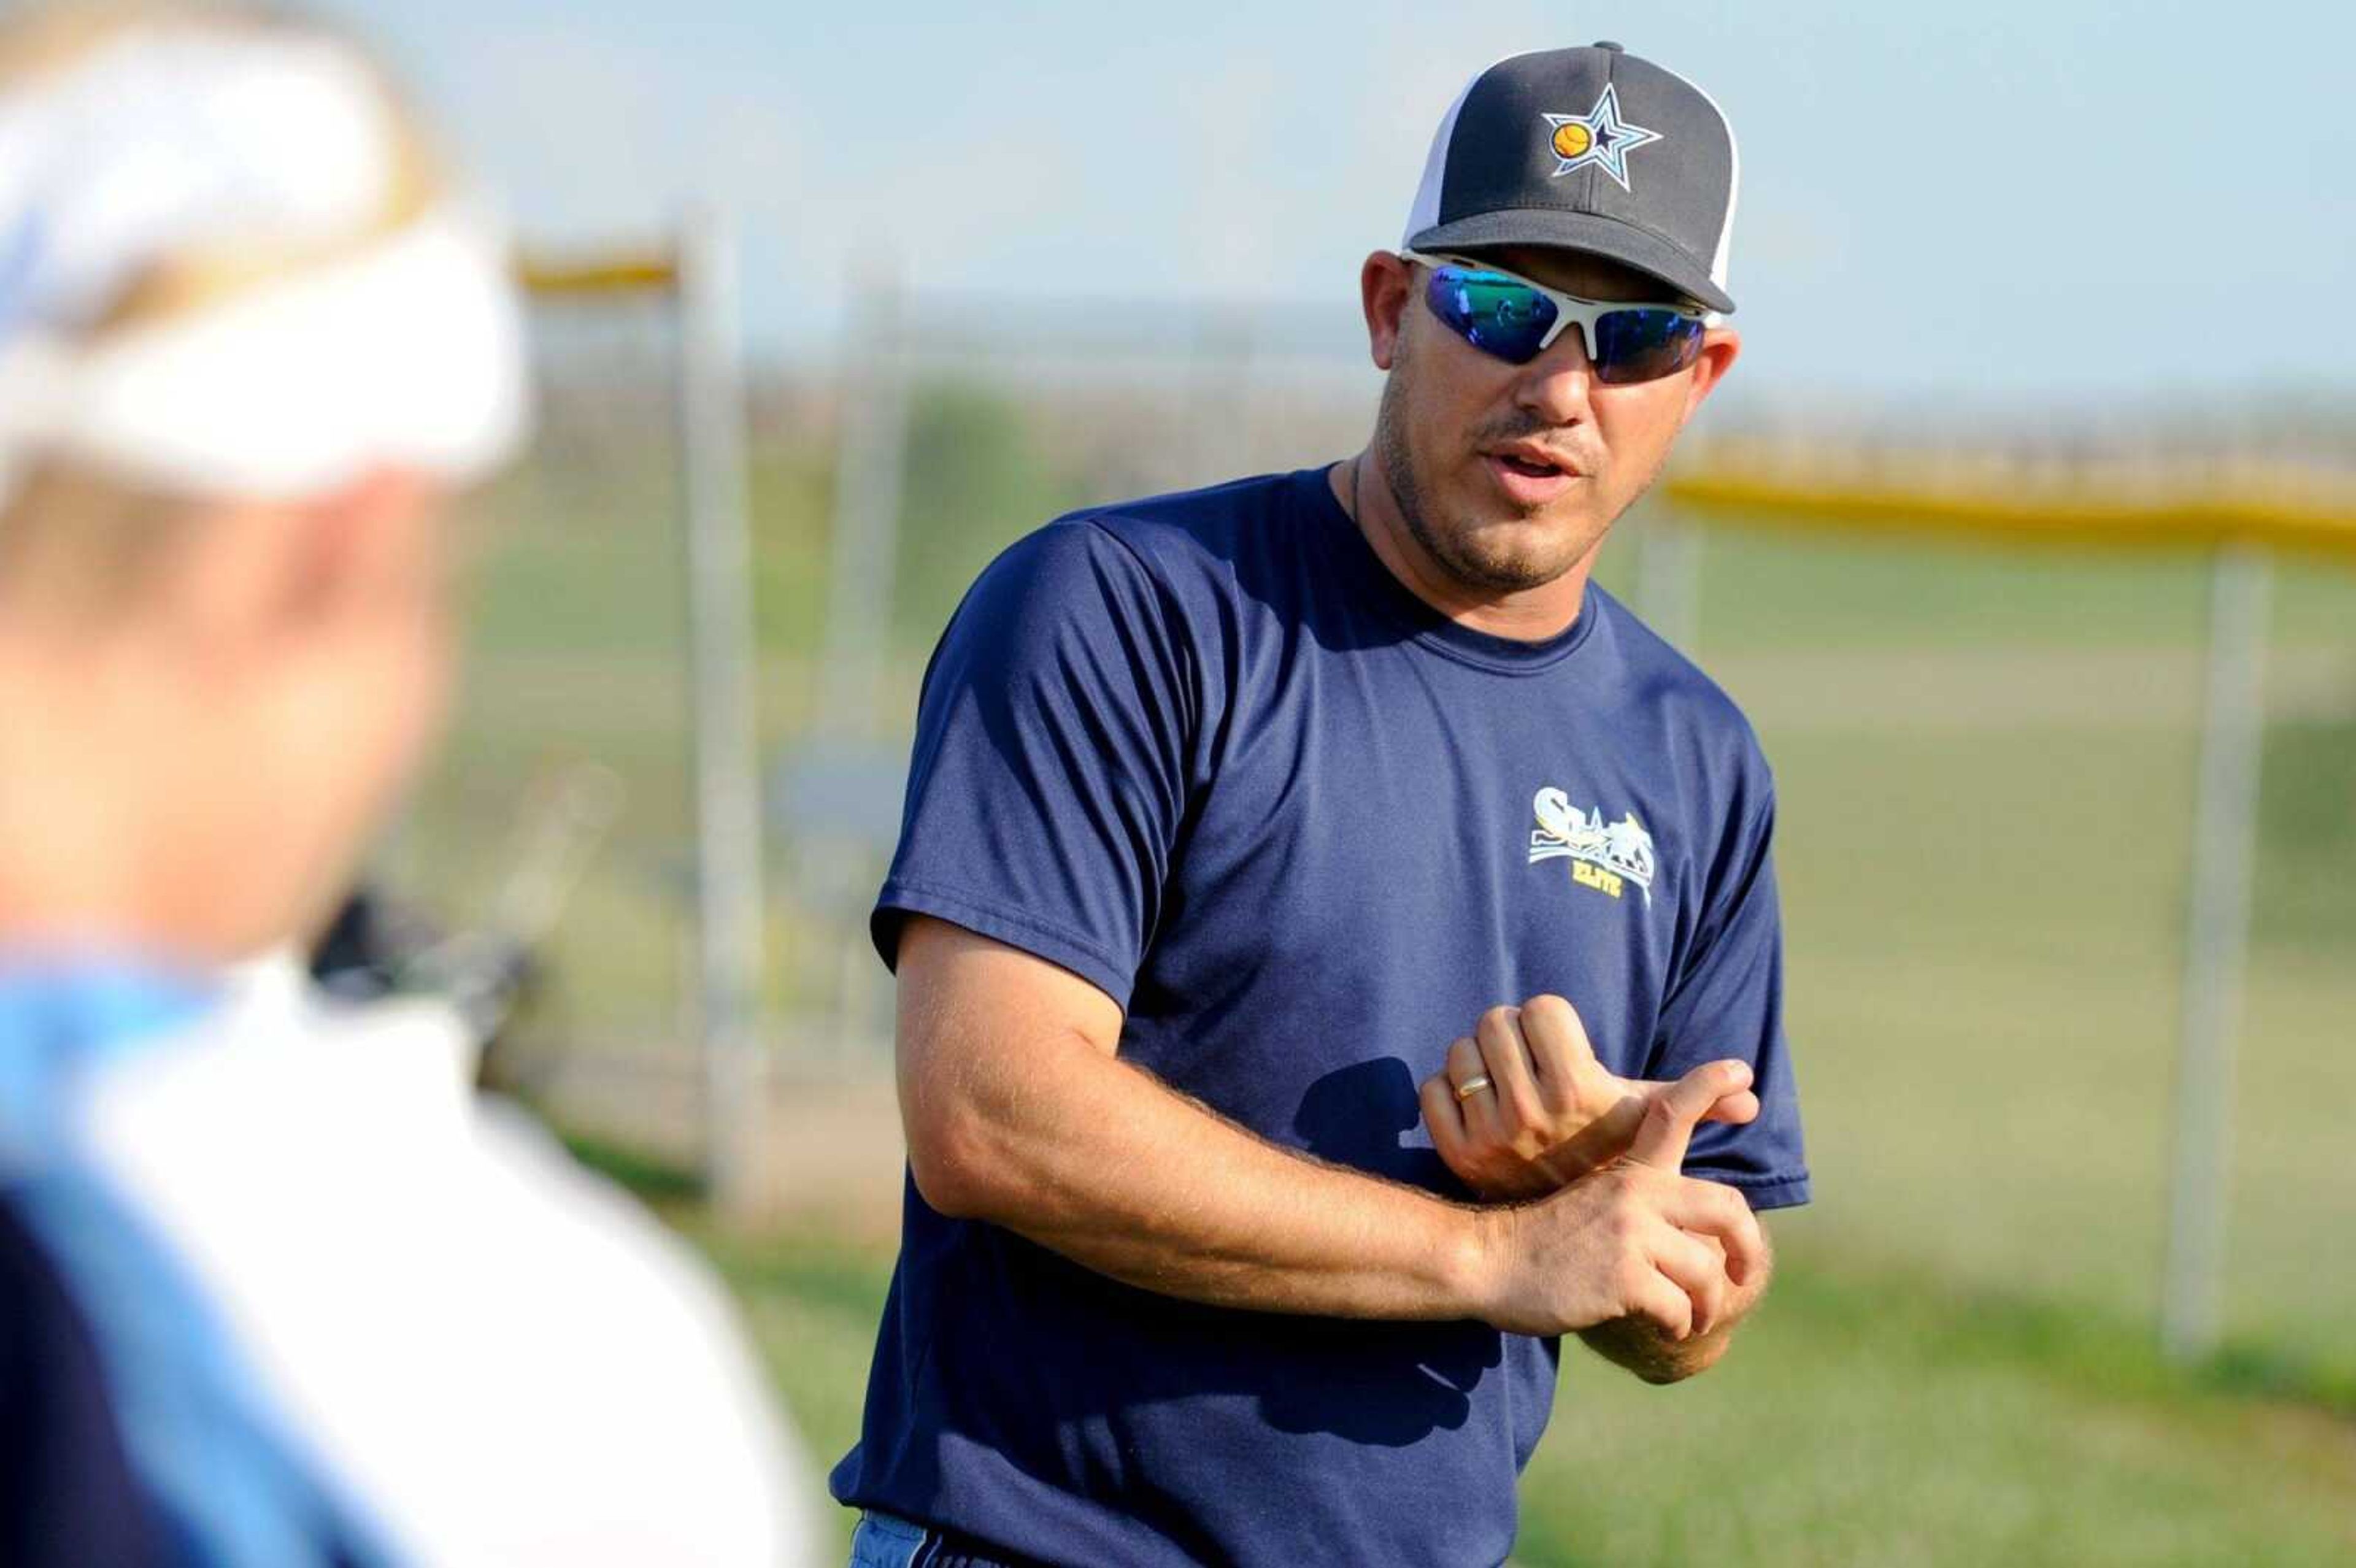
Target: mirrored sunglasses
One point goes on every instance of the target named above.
(1517, 320)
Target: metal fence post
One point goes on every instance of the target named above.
(1668, 576)
(2224, 844)
(1218, 413)
(869, 465)
(728, 883)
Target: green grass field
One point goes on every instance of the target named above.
(1869, 1416)
(1985, 764)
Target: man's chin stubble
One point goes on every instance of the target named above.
(1511, 573)
(1458, 554)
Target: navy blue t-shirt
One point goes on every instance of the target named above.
(1207, 752)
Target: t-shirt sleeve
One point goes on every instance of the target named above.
(1048, 776)
(1729, 1002)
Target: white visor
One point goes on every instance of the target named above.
(408, 354)
(403, 350)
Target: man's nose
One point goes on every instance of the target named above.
(1557, 385)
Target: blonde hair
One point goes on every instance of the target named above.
(74, 539)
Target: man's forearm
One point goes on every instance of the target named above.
(1642, 1349)
(1105, 1164)
(1019, 1111)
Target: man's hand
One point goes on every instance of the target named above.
(1548, 1112)
(1635, 1241)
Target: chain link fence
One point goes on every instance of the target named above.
(1988, 755)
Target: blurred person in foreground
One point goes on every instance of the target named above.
(275, 1288)
(1337, 947)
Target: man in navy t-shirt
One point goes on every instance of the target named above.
(1294, 872)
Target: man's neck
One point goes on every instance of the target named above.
(1527, 615)
(86, 792)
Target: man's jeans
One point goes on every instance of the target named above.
(884, 1541)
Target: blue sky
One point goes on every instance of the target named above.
(2061, 203)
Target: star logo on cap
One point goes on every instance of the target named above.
(1599, 136)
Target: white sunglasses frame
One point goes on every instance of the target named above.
(1567, 307)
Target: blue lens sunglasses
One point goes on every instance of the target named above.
(1507, 315)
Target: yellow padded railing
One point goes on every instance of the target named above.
(634, 272)
(2135, 503)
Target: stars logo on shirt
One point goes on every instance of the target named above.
(1598, 137)
(1603, 856)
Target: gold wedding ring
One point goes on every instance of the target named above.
(1471, 1086)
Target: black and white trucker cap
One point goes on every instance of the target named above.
(1591, 149)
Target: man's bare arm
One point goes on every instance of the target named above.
(1018, 1112)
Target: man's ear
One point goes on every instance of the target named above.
(258, 568)
(369, 542)
(1720, 346)
(1384, 284)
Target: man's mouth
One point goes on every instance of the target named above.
(1529, 475)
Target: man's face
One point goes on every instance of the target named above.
(278, 688)
(1508, 475)
(332, 708)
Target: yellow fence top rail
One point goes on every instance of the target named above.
(2139, 504)
(632, 272)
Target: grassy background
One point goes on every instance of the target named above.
(1871, 1415)
(1986, 760)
